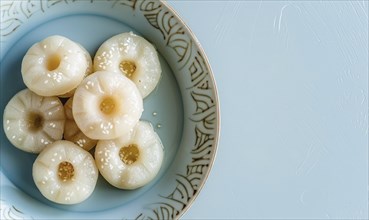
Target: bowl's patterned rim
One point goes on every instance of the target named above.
(193, 61)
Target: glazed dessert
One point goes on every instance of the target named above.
(54, 66)
(64, 173)
(132, 56)
(31, 122)
(104, 110)
(132, 160)
(106, 105)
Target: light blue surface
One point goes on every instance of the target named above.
(293, 85)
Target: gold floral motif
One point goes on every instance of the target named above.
(14, 13)
(129, 3)
(10, 212)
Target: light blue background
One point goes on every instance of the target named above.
(293, 84)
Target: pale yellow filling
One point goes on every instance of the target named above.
(108, 106)
(128, 68)
(35, 121)
(53, 62)
(65, 171)
(129, 154)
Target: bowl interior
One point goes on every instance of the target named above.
(163, 108)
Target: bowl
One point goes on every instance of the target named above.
(184, 107)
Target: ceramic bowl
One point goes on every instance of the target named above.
(183, 109)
